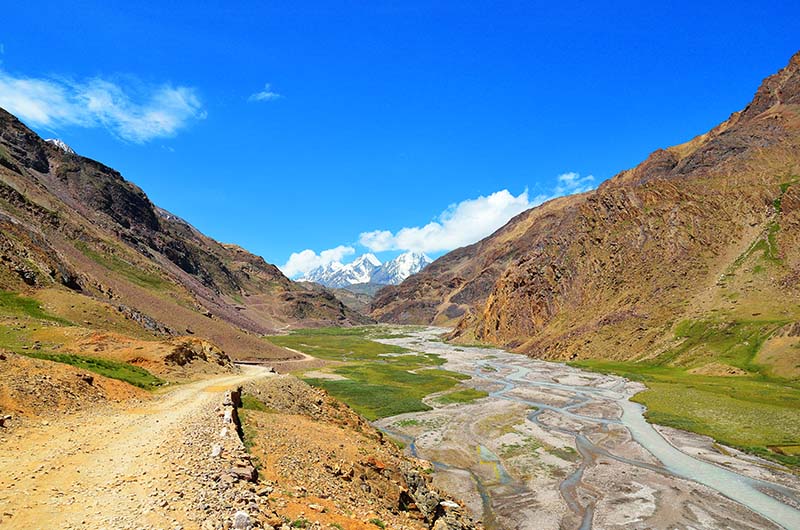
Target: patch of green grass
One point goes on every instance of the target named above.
(374, 401)
(131, 272)
(794, 179)
(300, 523)
(752, 412)
(400, 444)
(565, 453)
(13, 304)
(461, 396)
(377, 331)
(248, 433)
(116, 370)
(377, 522)
(336, 344)
(381, 380)
(769, 246)
(525, 447)
(734, 342)
(238, 299)
(252, 403)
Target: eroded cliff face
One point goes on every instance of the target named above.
(706, 228)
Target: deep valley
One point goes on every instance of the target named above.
(616, 357)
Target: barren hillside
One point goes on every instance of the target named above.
(701, 238)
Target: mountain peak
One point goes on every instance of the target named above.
(782, 87)
(367, 268)
(60, 144)
(395, 271)
(336, 274)
(368, 258)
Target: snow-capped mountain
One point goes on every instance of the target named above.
(368, 269)
(61, 145)
(395, 271)
(335, 274)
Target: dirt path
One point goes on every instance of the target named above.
(107, 468)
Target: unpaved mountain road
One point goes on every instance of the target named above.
(114, 467)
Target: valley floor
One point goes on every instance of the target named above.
(556, 447)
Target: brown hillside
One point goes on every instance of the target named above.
(69, 221)
(704, 231)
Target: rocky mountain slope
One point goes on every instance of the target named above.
(70, 222)
(367, 269)
(700, 240)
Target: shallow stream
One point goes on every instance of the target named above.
(594, 407)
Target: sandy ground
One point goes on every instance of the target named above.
(102, 468)
(547, 451)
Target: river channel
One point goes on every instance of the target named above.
(556, 447)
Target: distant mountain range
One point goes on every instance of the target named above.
(368, 269)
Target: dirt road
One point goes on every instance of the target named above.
(113, 467)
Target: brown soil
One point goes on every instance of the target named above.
(123, 466)
(33, 387)
(718, 369)
(326, 463)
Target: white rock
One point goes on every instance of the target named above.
(241, 521)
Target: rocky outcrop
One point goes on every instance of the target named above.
(347, 473)
(147, 322)
(189, 349)
(440, 512)
(231, 449)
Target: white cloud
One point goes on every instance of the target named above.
(569, 183)
(459, 225)
(469, 221)
(265, 95)
(134, 113)
(305, 261)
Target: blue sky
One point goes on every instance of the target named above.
(380, 126)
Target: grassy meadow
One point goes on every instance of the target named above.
(21, 316)
(752, 413)
(129, 373)
(378, 380)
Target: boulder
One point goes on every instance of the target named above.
(241, 521)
